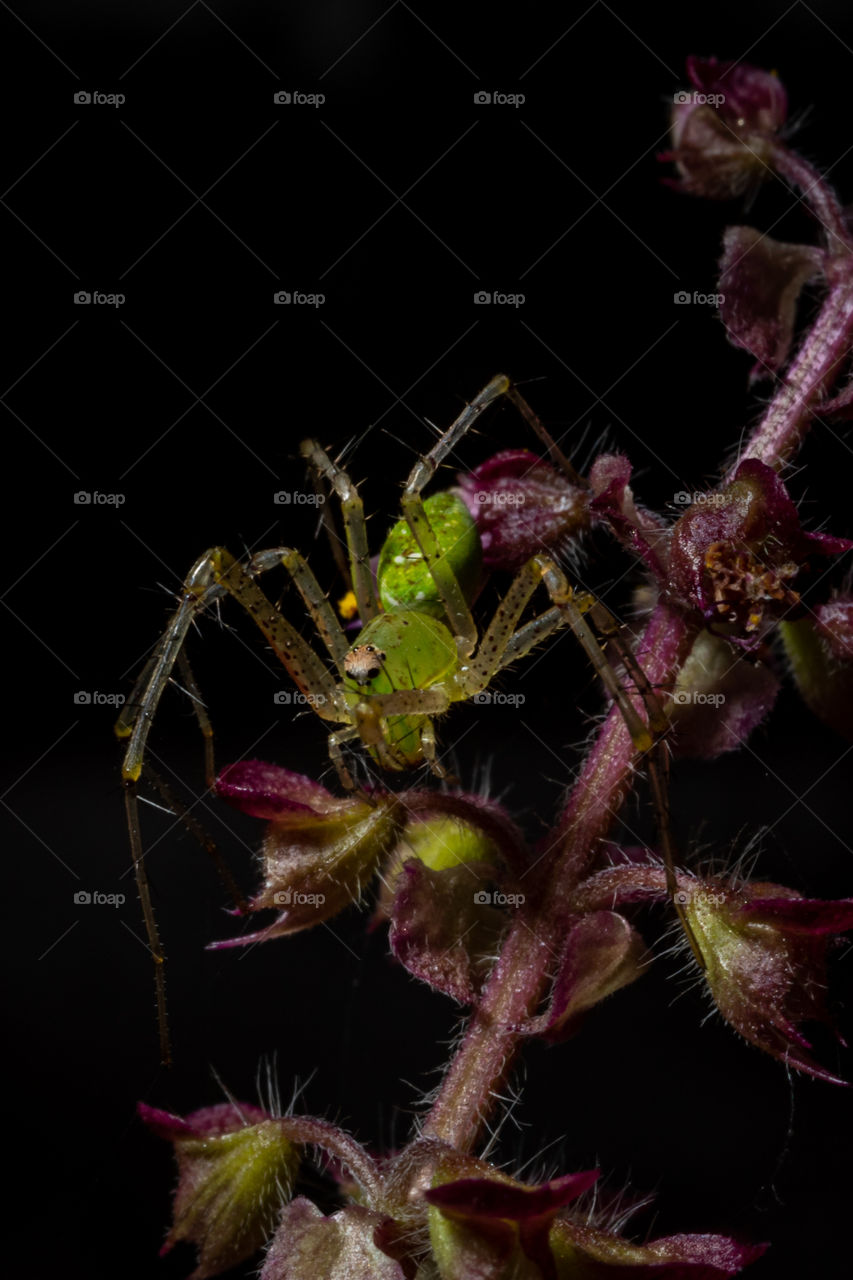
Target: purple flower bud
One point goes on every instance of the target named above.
(487, 1225)
(723, 130)
(581, 1249)
(522, 506)
(445, 929)
(319, 851)
(765, 949)
(235, 1169)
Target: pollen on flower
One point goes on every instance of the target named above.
(741, 584)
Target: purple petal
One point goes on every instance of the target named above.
(761, 280)
(613, 501)
(803, 915)
(522, 506)
(751, 96)
(442, 931)
(479, 1199)
(267, 791)
(680, 1257)
(602, 953)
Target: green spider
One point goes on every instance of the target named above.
(417, 653)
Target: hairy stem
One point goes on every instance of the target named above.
(791, 411)
(818, 195)
(532, 947)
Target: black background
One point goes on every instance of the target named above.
(397, 199)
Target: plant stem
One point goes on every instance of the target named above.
(790, 413)
(822, 351)
(818, 195)
(532, 947)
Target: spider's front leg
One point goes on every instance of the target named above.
(214, 574)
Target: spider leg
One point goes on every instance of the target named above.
(501, 644)
(336, 755)
(355, 527)
(198, 704)
(452, 595)
(214, 574)
(322, 614)
(428, 745)
(198, 832)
